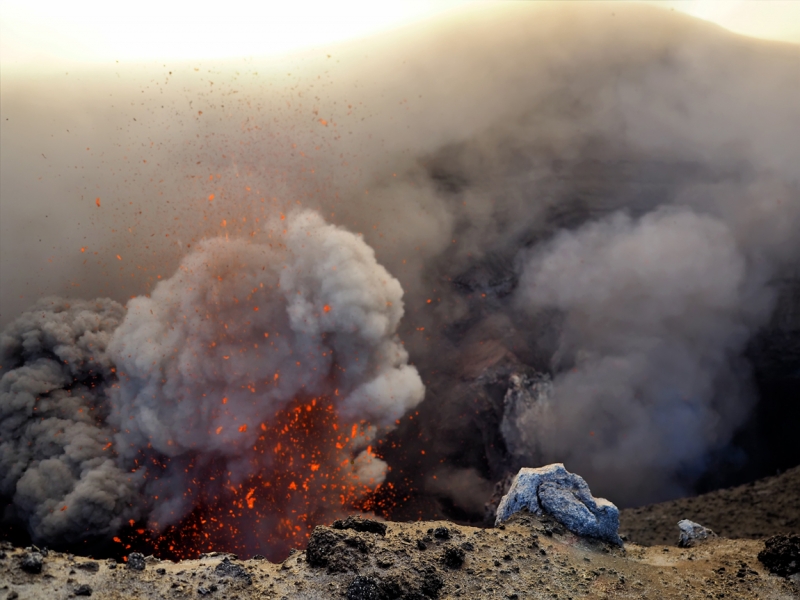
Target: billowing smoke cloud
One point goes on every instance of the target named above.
(241, 330)
(57, 460)
(656, 314)
(203, 366)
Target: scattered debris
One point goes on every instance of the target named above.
(692, 532)
(555, 491)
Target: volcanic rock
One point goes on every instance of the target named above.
(363, 525)
(337, 551)
(226, 568)
(32, 563)
(83, 590)
(781, 554)
(136, 561)
(366, 588)
(692, 532)
(90, 566)
(453, 557)
(566, 497)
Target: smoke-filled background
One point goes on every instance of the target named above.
(515, 235)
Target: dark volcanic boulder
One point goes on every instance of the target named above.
(781, 554)
(136, 561)
(32, 563)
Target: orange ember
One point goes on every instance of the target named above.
(304, 475)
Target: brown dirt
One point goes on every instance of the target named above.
(755, 510)
(527, 558)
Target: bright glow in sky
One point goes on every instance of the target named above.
(767, 19)
(103, 31)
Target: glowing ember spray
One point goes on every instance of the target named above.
(304, 473)
(209, 363)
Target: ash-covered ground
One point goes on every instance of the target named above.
(527, 557)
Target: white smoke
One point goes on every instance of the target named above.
(649, 377)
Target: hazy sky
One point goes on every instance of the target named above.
(93, 31)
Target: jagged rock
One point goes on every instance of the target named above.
(781, 554)
(83, 590)
(226, 568)
(32, 563)
(566, 497)
(692, 532)
(363, 525)
(136, 561)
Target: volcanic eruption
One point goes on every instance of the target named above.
(383, 281)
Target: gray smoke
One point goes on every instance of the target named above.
(656, 314)
(241, 330)
(93, 397)
(57, 458)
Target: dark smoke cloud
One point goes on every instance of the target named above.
(588, 210)
(57, 458)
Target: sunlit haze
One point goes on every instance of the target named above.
(100, 31)
(91, 31)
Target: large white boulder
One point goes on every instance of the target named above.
(566, 497)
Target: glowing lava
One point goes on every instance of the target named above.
(306, 467)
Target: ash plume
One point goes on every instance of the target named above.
(590, 213)
(190, 376)
(59, 469)
(241, 330)
(656, 314)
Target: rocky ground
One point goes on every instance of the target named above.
(529, 557)
(755, 510)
